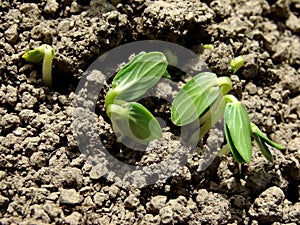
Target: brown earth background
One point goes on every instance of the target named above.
(45, 179)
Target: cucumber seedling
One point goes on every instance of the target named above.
(43, 54)
(131, 119)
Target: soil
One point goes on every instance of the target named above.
(46, 179)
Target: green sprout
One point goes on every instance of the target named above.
(131, 119)
(208, 46)
(261, 140)
(203, 99)
(237, 63)
(43, 54)
(239, 130)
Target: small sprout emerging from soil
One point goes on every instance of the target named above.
(43, 54)
(237, 63)
(131, 119)
(208, 46)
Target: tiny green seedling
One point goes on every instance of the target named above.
(43, 54)
(237, 63)
(239, 130)
(208, 46)
(131, 119)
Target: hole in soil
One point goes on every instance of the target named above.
(64, 83)
(292, 193)
(278, 119)
(175, 73)
(271, 2)
(295, 9)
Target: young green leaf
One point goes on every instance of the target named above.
(237, 131)
(235, 152)
(258, 132)
(136, 77)
(196, 98)
(34, 56)
(171, 57)
(262, 139)
(214, 112)
(263, 148)
(132, 120)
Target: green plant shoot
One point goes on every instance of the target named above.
(45, 54)
(131, 119)
(261, 140)
(237, 63)
(208, 46)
